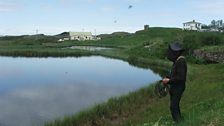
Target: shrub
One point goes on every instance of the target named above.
(211, 39)
(190, 43)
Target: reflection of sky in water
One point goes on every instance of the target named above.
(33, 90)
(89, 48)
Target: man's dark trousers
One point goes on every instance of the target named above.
(175, 97)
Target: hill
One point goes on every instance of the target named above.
(115, 34)
(62, 35)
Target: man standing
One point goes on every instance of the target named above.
(177, 79)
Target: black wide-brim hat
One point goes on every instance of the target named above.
(176, 47)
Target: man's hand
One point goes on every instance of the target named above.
(165, 81)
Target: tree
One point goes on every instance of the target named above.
(205, 26)
(221, 23)
(190, 43)
(213, 22)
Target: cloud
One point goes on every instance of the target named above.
(8, 7)
(65, 3)
(211, 7)
(91, 1)
(107, 9)
(47, 8)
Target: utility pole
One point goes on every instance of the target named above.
(36, 31)
(95, 33)
(36, 34)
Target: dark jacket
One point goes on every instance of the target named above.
(178, 74)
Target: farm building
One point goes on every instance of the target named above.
(80, 36)
(192, 25)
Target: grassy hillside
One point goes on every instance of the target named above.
(150, 43)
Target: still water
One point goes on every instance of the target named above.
(89, 48)
(36, 90)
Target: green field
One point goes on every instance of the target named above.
(202, 102)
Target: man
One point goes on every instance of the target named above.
(177, 79)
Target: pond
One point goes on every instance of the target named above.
(36, 90)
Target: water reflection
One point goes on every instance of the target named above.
(35, 90)
(89, 48)
(36, 105)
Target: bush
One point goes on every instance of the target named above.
(211, 39)
(190, 43)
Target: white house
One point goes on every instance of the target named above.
(192, 25)
(80, 36)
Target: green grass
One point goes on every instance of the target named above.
(43, 52)
(217, 48)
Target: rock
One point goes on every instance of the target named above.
(214, 57)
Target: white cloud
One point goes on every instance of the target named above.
(8, 7)
(65, 3)
(47, 8)
(211, 7)
(91, 1)
(107, 9)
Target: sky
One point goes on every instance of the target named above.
(52, 17)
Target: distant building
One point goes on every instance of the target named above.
(60, 40)
(192, 25)
(80, 36)
(146, 27)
